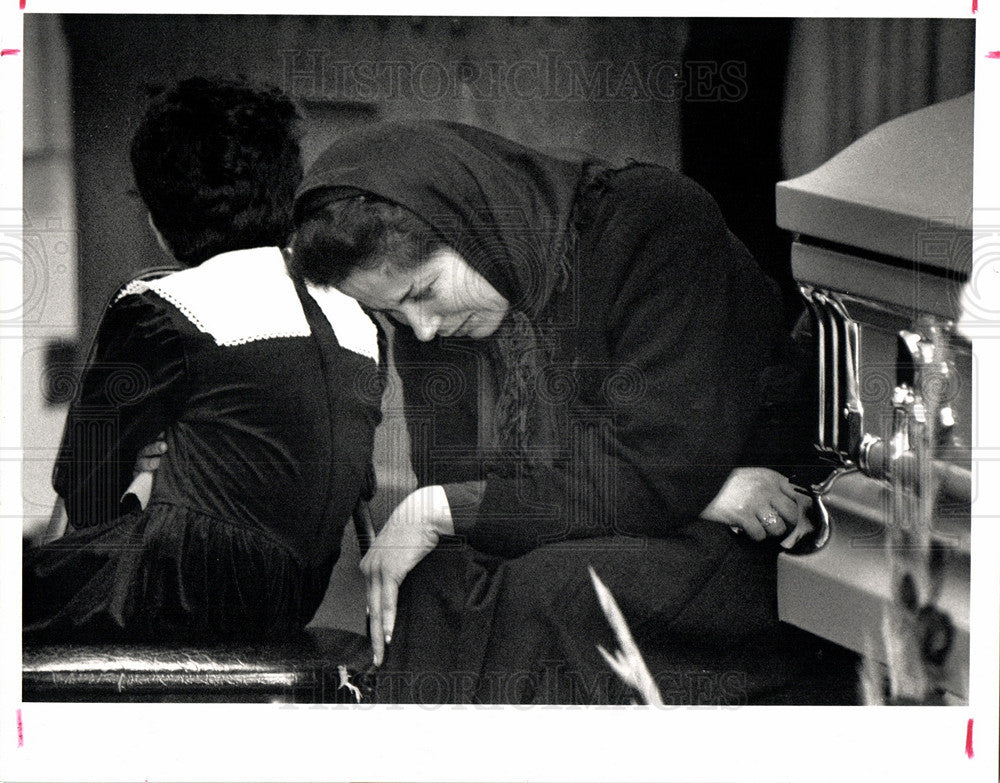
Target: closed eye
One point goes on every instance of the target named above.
(424, 293)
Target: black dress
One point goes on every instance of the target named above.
(269, 422)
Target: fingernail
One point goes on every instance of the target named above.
(388, 638)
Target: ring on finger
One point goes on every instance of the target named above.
(769, 520)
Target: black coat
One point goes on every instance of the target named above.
(668, 337)
(661, 340)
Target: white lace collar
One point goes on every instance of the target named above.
(237, 297)
(246, 295)
(355, 330)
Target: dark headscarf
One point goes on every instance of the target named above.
(504, 207)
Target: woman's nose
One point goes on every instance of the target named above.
(424, 325)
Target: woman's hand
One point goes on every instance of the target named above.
(762, 503)
(137, 494)
(149, 456)
(410, 533)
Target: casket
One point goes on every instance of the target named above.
(882, 248)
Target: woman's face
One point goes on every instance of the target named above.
(443, 297)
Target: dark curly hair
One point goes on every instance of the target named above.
(217, 164)
(340, 230)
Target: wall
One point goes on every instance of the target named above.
(50, 256)
(569, 83)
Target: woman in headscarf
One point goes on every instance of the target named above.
(588, 357)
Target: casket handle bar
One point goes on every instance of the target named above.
(841, 435)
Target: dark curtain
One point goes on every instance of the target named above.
(846, 76)
(730, 137)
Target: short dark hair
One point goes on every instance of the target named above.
(217, 163)
(337, 234)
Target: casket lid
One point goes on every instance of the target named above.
(903, 190)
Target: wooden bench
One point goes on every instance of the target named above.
(320, 666)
